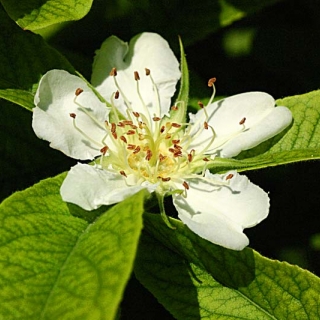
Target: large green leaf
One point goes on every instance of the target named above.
(55, 265)
(195, 279)
(35, 14)
(24, 58)
(301, 141)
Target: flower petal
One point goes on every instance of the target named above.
(51, 121)
(91, 187)
(219, 213)
(261, 121)
(147, 50)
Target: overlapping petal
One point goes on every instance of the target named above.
(218, 209)
(51, 121)
(147, 50)
(91, 187)
(239, 122)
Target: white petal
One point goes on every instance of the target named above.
(147, 50)
(51, 121)
(91, 187)
(262, 121)
(220, 213)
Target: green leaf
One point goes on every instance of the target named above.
(183, 96)
(299, 142)
(195, 279)
(57, 266)
(24, 58)
(35, 14)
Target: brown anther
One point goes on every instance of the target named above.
(130, 132)
(123, 173)
(176, 146)
(211, 82)
(177, 153)
(145, 148)
(174, 108)
(104, 150)
(131, 146)
(176, 125)
(162, 157)
(121, 124)
(162, 129)
(147, 71)
(113, 127)
(114, 134)
(156, 119)
(205, 124)
(205, 159)
(136, 150)
(106, 122)
(166, 179)
(149, 155)
(172, 150)
(127, 122)
(200, 104)
(72, 115)
(136, 114)
(190, 157)
(133, 126)
(229, 176)
(243, 120)
(136, 76)
(168, 136)
(117, 94)
(78, 91)
(123, 139)
(186, 186)
(175, 141)
(113, 72)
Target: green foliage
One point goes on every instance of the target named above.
(35, 14)
(301, 141)
(24, 58)
(195, 279)
(58, 266)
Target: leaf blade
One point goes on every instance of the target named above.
(43, 279)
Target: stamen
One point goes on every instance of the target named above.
(200, 104)
(123, 173)
(156, 119)
(229, 176)
(114, 134)
(117, 94)
(166, 179)
(113, 127)
(211, 85)
(174, 108)
(149, 155)
(162, 129)
(113, 72)
(131, 146)
(72, 115)
(78, 91)
(175, 141)
(206, 159)
(136, 76)
(131, 132)
(123, 139)
(136, 150)
(205, 124)
(162, 157)
(176, 125)
(186, 185)
(104, 150)
(136, 114)
(242, 121)
(147, 71)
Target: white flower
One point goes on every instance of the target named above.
(129, 130)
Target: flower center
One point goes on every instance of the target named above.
(146, 147)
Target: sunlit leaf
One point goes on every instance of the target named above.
(55, 265)
(35, 14)
(195, 279)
